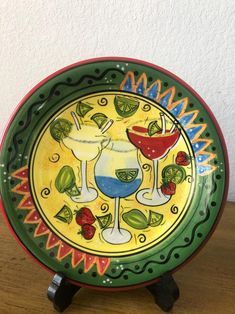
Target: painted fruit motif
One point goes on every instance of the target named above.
(182, 159)
(88, 231)
(84, 216)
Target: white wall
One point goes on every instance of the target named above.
(194, 39)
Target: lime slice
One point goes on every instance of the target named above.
(83, 108)
(104, 221)
(125, 106)
(153, 128)
(154, 219)
(100, 119)
(127, 175)
(60, 128)
(173, 173)
(135, 219)
(65, 214)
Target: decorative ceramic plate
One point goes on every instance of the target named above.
(113, 171)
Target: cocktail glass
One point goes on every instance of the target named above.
(118, 175)
(86, 142)
(154, 148)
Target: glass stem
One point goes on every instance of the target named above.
(155, 175)
(84, 188)
(116, 214)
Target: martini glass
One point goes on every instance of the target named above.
(118, 175)
(86, 142)
(154, 148)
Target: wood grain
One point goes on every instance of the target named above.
(207, 283)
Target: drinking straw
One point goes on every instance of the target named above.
(173, 126)
(78, 126)
(106, 126)
(163, 123)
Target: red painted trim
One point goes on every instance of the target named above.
(193, 92)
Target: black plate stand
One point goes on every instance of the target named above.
(165, 292)
(60, 292)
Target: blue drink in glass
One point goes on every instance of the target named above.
(118, 175)
(113, 187)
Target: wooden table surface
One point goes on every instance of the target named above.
(207, 284)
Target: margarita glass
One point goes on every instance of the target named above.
(86, 143)
(118, 175)
(154, 148)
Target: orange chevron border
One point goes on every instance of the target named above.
(130, 77)
(32, 217)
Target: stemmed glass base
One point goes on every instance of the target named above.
(152, 198)
(116, 236)
(87, 195)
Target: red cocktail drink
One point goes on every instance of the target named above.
(154, 148)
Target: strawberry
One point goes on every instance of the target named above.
(182, 159)
(168, 188)
(84, 216)
(87, 231)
